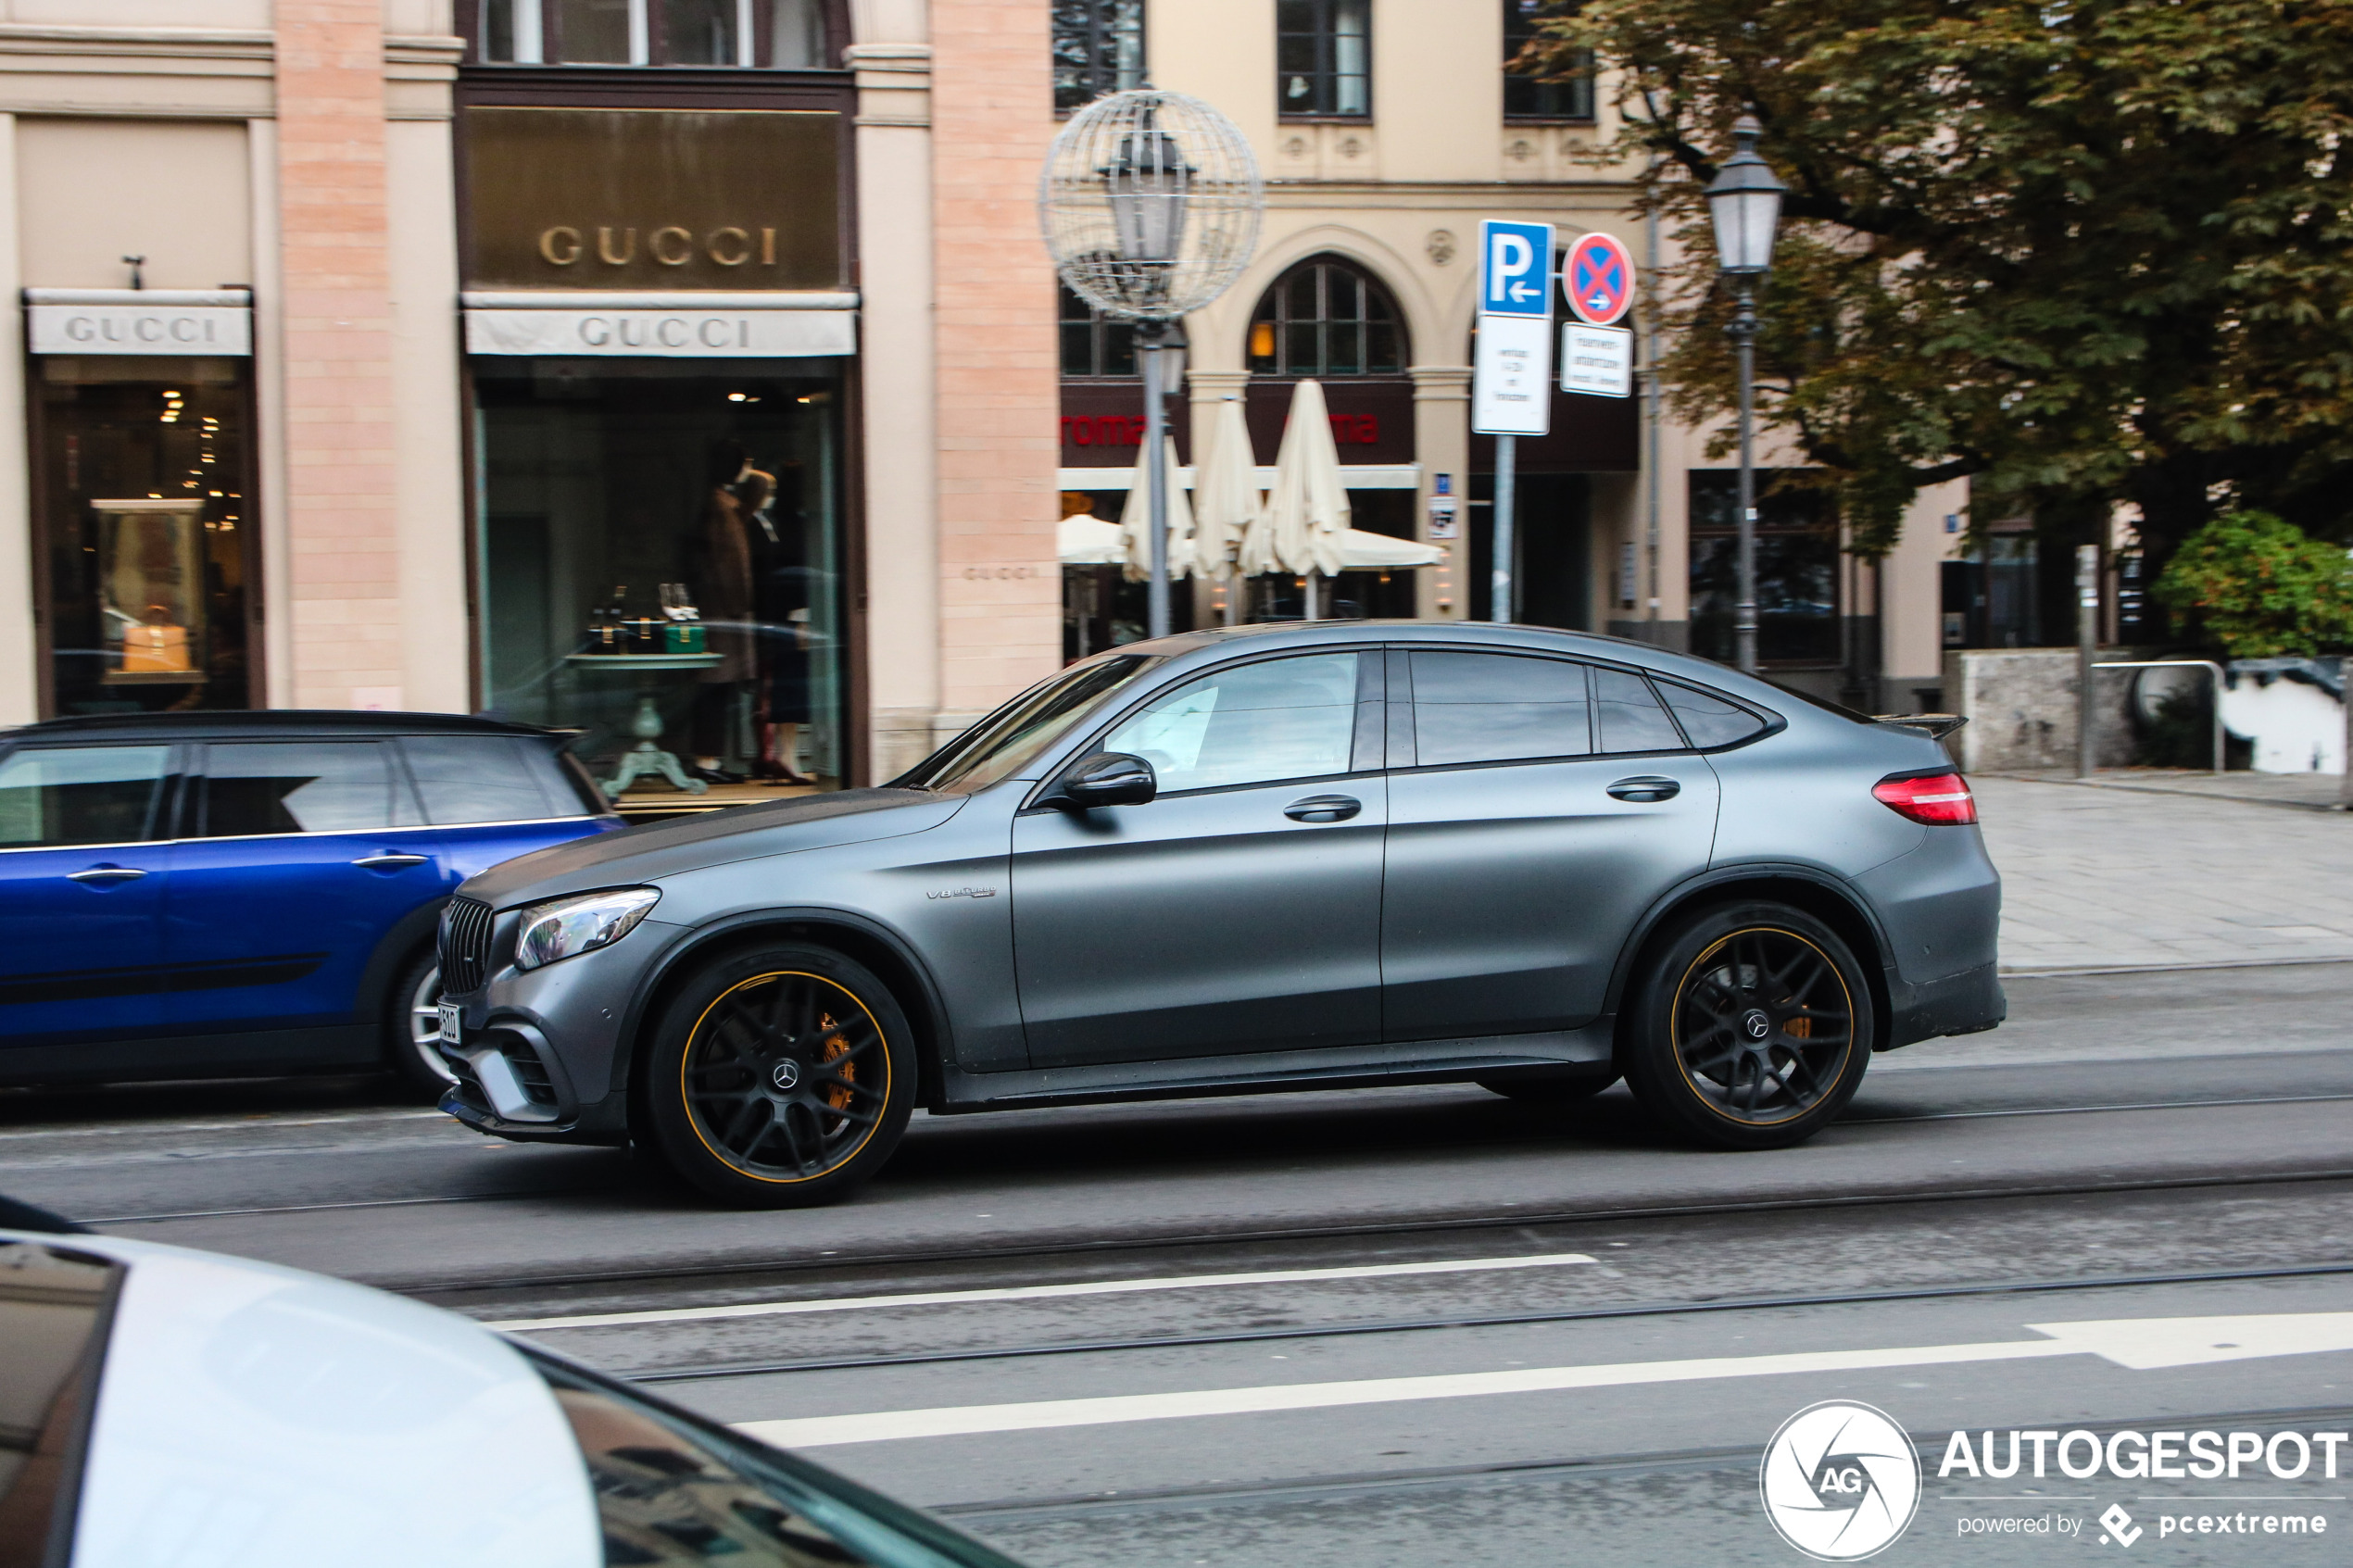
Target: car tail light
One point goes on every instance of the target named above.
(1937, 799)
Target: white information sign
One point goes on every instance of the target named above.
(686, 334)
(1598, 361)
(1512, 376)
(139, 329)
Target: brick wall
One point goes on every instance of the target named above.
(340, 519)
(1000, 593)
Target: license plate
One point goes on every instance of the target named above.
(452, 1023)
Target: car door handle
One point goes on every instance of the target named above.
(1324, 808)
(1646, 790)
(105, 873)
(388, 861)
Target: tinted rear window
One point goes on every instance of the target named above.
(253, 787)
(1628, 715)
(1709, 719)
(485, 779)
(1498, 707)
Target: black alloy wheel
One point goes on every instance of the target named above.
(1749, 1028)
(780, 1077)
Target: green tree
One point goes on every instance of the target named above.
(2075, 251)
(2260, 587)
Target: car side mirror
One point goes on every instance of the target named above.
(1111, 779)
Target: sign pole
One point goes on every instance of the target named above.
(1511, 373)
(1156, 592)
(1506, 496)
(2087, 642)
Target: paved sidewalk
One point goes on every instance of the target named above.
(2311, 792)
(2099, 878)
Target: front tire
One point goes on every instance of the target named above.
(780, 1077)
(1749, 1028)
(412, 1028)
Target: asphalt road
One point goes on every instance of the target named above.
(1412, 1323)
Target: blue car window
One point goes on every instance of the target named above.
(475, 779)
(1251, 724)
(1627, 713)
(58, 796)
(1709, 719)
(1498, 707)
(299, 787)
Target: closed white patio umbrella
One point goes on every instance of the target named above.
(1307, 511)
(1135, 519)
(1225, 498)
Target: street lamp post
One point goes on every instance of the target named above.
(1744, 200)
(1150, 202)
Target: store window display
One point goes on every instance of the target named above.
(661, 560)
(140, 501)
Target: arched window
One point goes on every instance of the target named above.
(1325, 317)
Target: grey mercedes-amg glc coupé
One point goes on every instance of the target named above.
(1266, 858)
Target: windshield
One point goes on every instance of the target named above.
(1000, 744)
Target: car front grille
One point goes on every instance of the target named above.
(465, 946)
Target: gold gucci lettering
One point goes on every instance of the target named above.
(670, 246)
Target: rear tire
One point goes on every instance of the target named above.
(780, 1077)
(412, 1028)
(1750, 1027)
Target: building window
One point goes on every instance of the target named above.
(1094, 343)
(1099, 48)
(1797, 575)
(1528, 98)
(1326, 317)
(1324, 58)
(781, 34)
(146, 536)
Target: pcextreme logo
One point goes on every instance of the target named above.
(1840, 1481)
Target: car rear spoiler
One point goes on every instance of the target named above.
(1936, 726)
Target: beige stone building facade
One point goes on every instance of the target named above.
(435, 354)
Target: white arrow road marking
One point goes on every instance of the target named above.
(1043, 1292)
(2142, 1345)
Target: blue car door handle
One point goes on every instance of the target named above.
(389, 861)
(1324, 808)
(105, 873)
(1645, 790)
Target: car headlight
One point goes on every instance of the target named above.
(565, 928)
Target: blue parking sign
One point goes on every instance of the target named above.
(1515, 269)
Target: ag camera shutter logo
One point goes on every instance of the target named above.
(1840, 1481)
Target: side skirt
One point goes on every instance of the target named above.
(1352, 1067)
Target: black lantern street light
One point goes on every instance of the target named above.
(1744, 199)
(1150, 202)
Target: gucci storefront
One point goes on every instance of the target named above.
(141, 406)
(660, 348)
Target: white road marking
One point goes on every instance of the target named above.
(1042, 1292)
(2140, 1344)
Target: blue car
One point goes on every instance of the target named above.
(224, 894)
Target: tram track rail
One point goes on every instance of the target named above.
(730, 1274)
(1306, 1489)
(1601, 1312)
